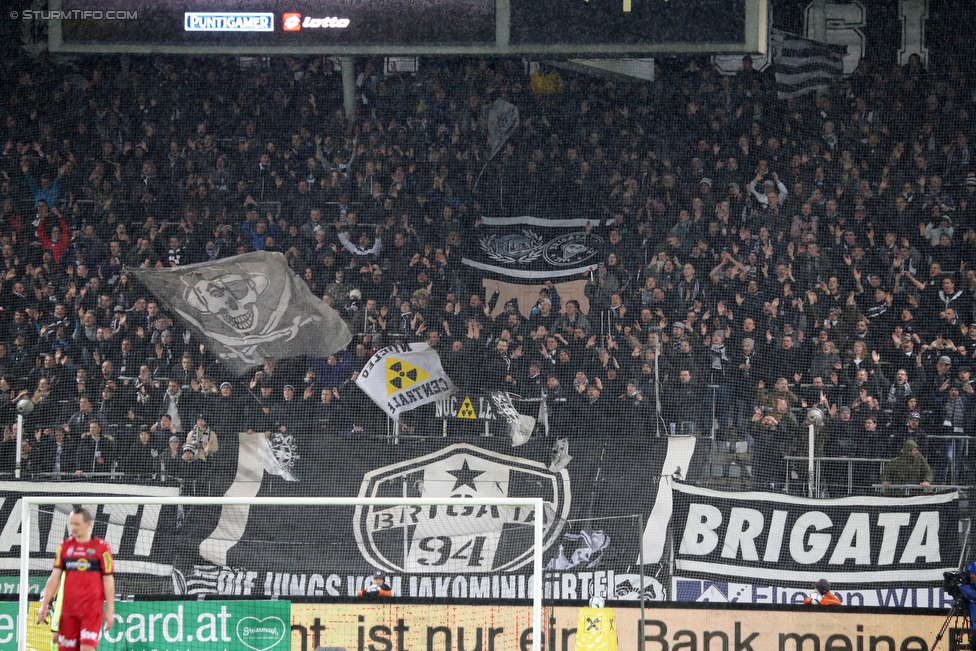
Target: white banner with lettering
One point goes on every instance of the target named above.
(760, 538)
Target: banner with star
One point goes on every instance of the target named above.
(598, 513)
(403, 377)
(592, 533)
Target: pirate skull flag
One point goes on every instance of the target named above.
(249, 308)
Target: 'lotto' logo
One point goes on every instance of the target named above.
(331, 22)
(291, 22)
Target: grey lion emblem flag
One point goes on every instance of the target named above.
(249, 308)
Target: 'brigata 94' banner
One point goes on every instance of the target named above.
(851, 541)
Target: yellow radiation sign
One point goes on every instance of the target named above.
(467, 409)
(596, 630)
(402, 375)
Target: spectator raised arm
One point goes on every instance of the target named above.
(57, 241)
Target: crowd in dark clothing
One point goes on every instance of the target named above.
(759, 256)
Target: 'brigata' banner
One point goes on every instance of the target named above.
(852, 541)
(590, 540)
(534, 249)
(741, 547)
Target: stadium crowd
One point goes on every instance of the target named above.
(773, 254)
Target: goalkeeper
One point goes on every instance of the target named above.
(378, 588)
(85, 565)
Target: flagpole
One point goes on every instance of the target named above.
(657, 386)
(477, 180)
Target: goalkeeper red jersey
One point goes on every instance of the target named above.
(84, 565)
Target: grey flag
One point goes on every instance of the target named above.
(503, 119)
(519, 427)
(248, 308)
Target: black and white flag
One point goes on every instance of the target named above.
(248, 308)
(803, 66)
(518, 426)
(560, 456)
(535, 249)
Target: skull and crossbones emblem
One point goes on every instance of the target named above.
(233, 298)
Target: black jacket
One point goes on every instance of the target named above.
(85, 456)
(496, 368)
(630, 413)
(140, 461)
